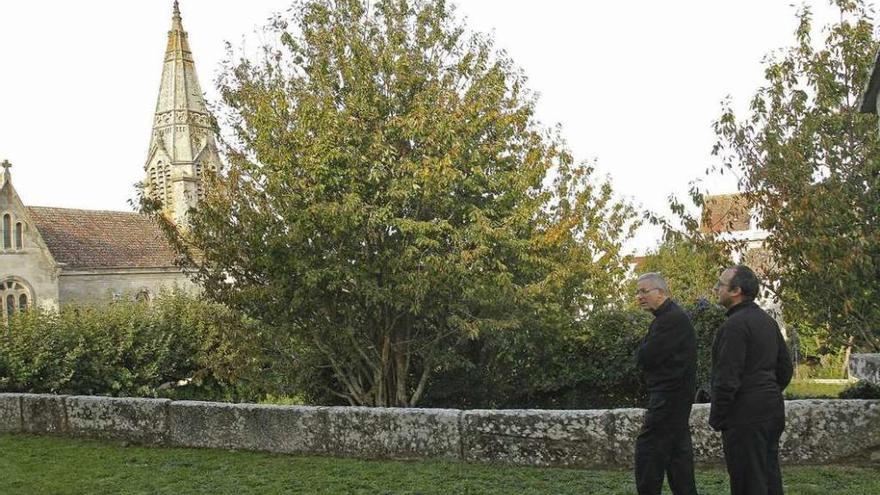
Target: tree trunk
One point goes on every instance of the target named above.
(400, 379)
(846, 354)
(383, 373)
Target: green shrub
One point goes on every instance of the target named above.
(813, 355)
(134, 349)
(861, 390)
(706, 319)
(497, 370)
(591, 366)
(178, 346)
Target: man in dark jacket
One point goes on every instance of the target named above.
(667, 357)
(750, 368)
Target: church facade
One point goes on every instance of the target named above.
(50, 257)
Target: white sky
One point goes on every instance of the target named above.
(635, 85)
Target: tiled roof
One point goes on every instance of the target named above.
(725, 213)
(83, 239)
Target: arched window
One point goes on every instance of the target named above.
(18, 236)
(15, 295)
(7, 231)
(143, 296)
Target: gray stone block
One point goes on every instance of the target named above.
(818, 431)
(542, 438)
(10, 413)
(706, 441)
(625, 427)
(285, 429)
(43, 413)
(135, 420)
(395, 433)
(865, 367)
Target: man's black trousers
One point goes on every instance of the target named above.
(664, 446)
(752, 456)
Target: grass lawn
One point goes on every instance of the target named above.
(43, 465)
(805, 389)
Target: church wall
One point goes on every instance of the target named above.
(89, 287)
(31, 266)
(33, 263)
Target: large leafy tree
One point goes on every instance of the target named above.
(690, 267)
(809, 163)
(389, 192)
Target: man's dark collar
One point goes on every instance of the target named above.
(743, 305)
(666, 306)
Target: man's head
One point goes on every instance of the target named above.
(651, 291)
(736, 285)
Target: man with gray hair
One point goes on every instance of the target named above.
(667, 357)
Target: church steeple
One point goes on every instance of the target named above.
(176, 20)
(182, 146)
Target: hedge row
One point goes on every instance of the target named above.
(590, 367)
(180, 347)
(177, 347)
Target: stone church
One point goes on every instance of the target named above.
(50, 257)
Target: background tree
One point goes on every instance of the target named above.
(389, 193)
(810, 163)
(691, 268)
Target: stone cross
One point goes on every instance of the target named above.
(5, 177)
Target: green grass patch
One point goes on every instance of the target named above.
(805, 389)
(37, 465)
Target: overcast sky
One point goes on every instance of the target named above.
(635, 85)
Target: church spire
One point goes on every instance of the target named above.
(182, 145)
(176, 20)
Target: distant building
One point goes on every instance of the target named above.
(636, 263)
(55, 256)
(868, 103)
(730, 216)
(725, 213)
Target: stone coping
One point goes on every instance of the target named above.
(817, 431)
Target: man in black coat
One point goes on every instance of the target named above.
(750, 368)
(667, 357)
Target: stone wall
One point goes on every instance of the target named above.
(865, 367)
(817, 431)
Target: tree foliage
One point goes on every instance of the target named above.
(809, 163)
(691, 268)
(390, 192)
